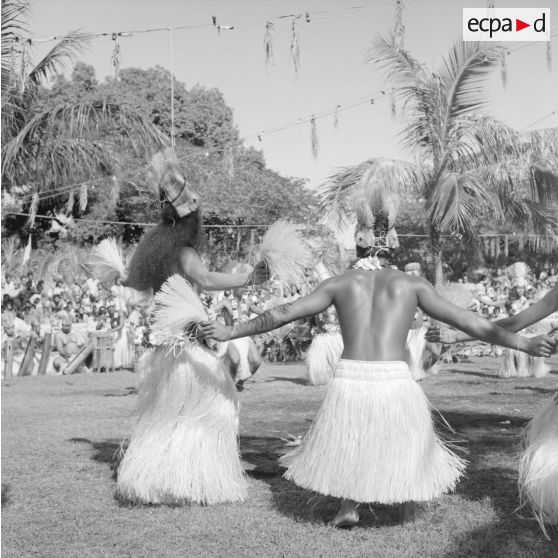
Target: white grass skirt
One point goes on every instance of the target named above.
(538, 465)
(184, 447)
(514, 365)
(242, 345)
(322, 357)
(537, 367)
(373, 439)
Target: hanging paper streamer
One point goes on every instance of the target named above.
(23, 70)
(336, 117)
(228, 158)
(115, 190)
(504, 67)
(13, 72)
(549, 56)
(71, 201)
(33, 209)
(314, 137)
(268, 45)
(27, 252)
(115, 57)
(392, 104)
(83, 197)
(399, 27)
(295, 46)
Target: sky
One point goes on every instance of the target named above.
(333, 66)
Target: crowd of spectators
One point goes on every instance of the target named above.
(82, 304)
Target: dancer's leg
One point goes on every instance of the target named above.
(347, 516)
(407, 511)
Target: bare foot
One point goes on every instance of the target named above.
(407, 511)
(347, 516)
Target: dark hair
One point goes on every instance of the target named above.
(156, 257)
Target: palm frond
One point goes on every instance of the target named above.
(462, 78)
(413, 88)
(454, 203)
(59, 55)
(370, 182)
(481, 140)
(10, 254)
(80, 122)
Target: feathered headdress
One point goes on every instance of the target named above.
(164, 174)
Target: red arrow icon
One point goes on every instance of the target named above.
(519, 25)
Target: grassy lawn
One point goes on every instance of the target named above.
(59, 434)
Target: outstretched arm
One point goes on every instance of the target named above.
(538, 311)
(317, 301)
(194, 269)
(476, 326)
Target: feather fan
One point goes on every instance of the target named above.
(286, 253)
(177, 308)
(106, 261)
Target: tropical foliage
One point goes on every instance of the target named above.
(469, 169)
(46, 146)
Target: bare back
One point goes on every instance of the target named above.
(375, 310)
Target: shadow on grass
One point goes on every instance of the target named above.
(5, 494)
(544, 391)
(298, 381)
(260, 456)
(492, 441)
(132, 390)
(109, 451)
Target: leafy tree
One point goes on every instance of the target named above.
(45, 146)
(201, 115)
(470, 168)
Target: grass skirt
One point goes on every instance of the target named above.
(322, 357)
(538, 465)
(373, 439)
(242, 345)
(184, 447)
(514, 365)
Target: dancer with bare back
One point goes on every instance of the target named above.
(373, 438)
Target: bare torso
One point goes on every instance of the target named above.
(376, 310)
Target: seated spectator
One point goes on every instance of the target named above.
(68, 344)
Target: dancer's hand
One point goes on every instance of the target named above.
(541, 346)
(216, 330)
(260, 274)
(437, 334)
(292, 441)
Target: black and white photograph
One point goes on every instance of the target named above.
(279, 279)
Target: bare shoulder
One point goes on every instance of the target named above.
(189, 255)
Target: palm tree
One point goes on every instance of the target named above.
(44, 147)
(469, 168)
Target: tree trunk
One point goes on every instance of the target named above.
(436, 243)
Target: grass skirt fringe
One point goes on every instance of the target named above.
(538, 466)
(242, 345)
(373, 439)
(537, 367)
(322, 357)
(184, 447)
(514, 365)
